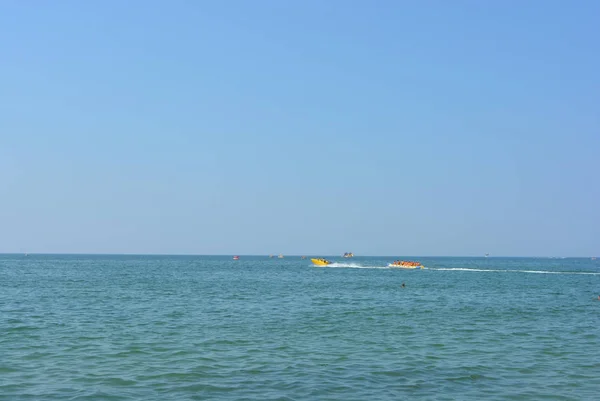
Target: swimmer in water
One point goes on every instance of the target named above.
(404, 285)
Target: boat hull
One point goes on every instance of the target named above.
(318, 262)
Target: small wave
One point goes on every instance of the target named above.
(511, 271)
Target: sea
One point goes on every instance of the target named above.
(102, 327)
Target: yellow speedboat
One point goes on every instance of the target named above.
(320, 262)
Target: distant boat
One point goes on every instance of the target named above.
(280, 256)
(487, 254)
(348, 255)
(236, 257)
(302, 257)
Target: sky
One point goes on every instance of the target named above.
(311, 127)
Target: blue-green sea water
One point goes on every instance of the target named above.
(210, 328)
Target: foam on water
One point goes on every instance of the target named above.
(361, 266)
(467, 269)
(509, 271)
(355, 266)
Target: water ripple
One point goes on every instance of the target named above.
(162, 328)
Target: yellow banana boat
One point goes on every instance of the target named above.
(320, 262)
(405, 266)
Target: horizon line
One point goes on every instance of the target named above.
(288, 255)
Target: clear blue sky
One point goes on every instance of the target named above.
(301, 127)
